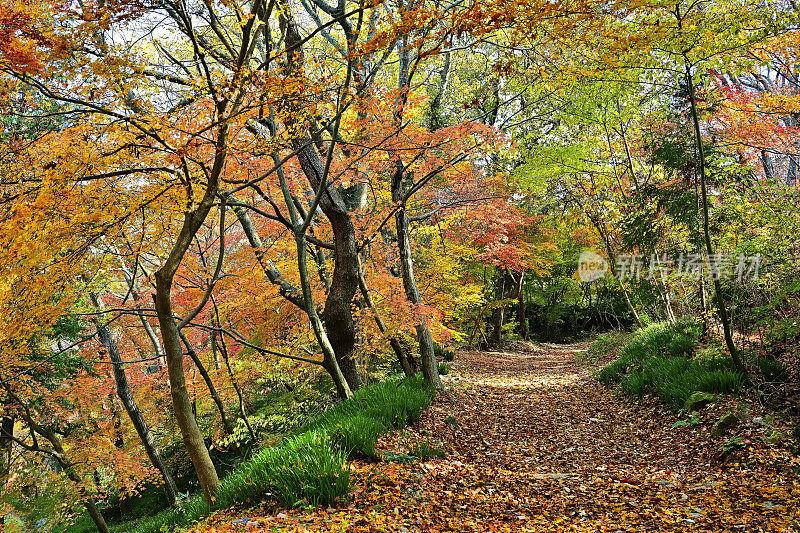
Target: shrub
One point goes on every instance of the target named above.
(444, 369)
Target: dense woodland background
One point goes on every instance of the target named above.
(219, 218)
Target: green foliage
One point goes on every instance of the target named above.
(772, 370)
(657, 360)
(693, 421)
(310, 465)
(160, 522)
(357, 435)
(558, 309)
(399, 457)
(663, 339)
(425, 451)
(280, 404)
(732, 444)
(444, 369)
(605, 344)
(443, 353)
(44, 497)
(303, 468)
(674, 379)
(62, 364)
(395, 403)
(613, 372)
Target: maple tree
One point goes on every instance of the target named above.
(204, 161)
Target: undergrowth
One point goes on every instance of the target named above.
(605, 344)
(443, 353)
(310, 465)
(425, 451)
(660, 360)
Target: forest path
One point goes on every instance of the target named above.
(537, 444)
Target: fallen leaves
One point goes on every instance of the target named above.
(536, 444)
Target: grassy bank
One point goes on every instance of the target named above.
(310, 464)
(663, 360)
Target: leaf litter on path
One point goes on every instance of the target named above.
(535, 443)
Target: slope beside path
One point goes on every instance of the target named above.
(535, 443)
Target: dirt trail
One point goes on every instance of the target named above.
(536, 444)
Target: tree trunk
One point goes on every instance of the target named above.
(330, 362)
(290, 293)
(794, 165)
(338, 313)
(181, 403)
(131, 407)
(406, 363)
(436, 119)
(722, 310)
(769, 169)
(612, 263)
(96, 515)
(285, 289)
(55, 452)
(224, 350)
(226, 424)
(523, 324)
(170, 340)
(498, 312)
(703, 306)
(68, 467)
(6, 432)
(427, 356)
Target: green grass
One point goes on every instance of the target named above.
(658, 360)
(423, 450)
(605, 344)
(148, 524)
(357, 435)
(310, 465)
(303, 468)
(396, 403)
(663, 339)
